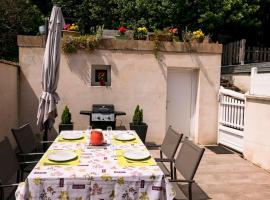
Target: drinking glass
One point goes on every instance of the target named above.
(108, 134)
(109, 129)
(88, 130)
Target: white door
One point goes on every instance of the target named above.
(181, 98)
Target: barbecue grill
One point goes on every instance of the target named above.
(102, 116)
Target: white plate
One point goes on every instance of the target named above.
(124, 137)
(61, 156)
(136, 154)
(69, 135)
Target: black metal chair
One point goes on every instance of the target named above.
(9, 168)
(26, 139)
(168, 148)
(27, 146)
(186, 163)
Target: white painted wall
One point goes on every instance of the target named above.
(256, 135)
(137, 78)
(259, 83)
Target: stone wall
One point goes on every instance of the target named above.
(8, 99)
(138, 77)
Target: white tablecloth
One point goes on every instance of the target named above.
(97, 176)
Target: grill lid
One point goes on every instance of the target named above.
(103, 108)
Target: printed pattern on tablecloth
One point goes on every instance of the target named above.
(97, 176)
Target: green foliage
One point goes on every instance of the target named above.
(66, 116)
(218, 18)
(86, 42)
(138, 116)
(89, 14)
(227, 17)
(152, 14)
(44, 6)
(17, 17)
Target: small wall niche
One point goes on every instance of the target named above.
(101, 75)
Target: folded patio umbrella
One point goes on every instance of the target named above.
(47, 110)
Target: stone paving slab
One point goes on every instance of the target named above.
(230, 177)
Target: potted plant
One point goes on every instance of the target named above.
(101, 78)
(66, 123)
(138, 125)
(197, 36)
(71, 30)
(186, 35)
(122, 33)
(163, 35)
(140, 33)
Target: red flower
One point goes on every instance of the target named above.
(67, 26)
(173, 30)
(102, 83)
(122, 29)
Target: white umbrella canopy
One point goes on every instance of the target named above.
(47, 110)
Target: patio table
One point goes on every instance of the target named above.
(99, 173)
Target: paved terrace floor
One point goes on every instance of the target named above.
(230, 177)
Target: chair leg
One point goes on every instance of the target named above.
(18, 179)
(190, 191)
(171, 169)
(22, 175)
(2, 193)
(175, 174)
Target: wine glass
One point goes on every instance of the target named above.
(109, 129)
(88, 130)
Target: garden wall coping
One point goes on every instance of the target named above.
(135, 45)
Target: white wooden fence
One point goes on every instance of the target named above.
(259, 83)
(231, 119)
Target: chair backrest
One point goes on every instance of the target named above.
(188, 159)
(25, 138)
(170, 143)
(9, 163)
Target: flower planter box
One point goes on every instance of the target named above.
(140, 38)
(122, 37)
(65, 127)
(71, 33)
(165, 38)
(141, 130)
(197, 40)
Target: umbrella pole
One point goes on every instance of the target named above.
(45, 136)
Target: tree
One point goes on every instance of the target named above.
(45, 6)
(150, 13)
(88, 13)
(17, 17)
(236, 19)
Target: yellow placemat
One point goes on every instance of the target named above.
(123, 162)
(118, 142)
(61, 139)
(45, 161)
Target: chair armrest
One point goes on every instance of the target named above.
(183, 181)
(30, 154)
(46, 142)
(153, 146)
(10, 185)
(28, 162)
(164, 160)
(22, 157)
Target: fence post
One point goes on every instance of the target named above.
(242, 51)
(252, 77)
